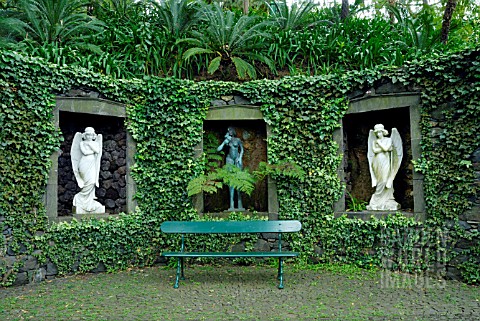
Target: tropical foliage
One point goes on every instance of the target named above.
(54, 30)
(195, 40)
(230, 40)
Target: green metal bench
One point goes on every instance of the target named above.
(230, 227)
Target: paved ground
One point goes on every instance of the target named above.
(241, 293)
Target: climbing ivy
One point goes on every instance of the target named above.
(165, 117)
(451, 100)
(451, 92)
(27, 140)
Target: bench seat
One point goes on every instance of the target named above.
(230, 254)
(229, 227)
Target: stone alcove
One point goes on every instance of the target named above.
(356, 129)
(401, 111)
(111, 191)
(116, 190)
(253, 131)
(253, 135)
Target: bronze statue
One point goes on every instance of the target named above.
(234, 157)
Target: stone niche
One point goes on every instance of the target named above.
(253, 135)
(394, 110)
(116, 190)
(112, 192)
(253, 131)
(356, 129)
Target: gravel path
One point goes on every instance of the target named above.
(241, 293)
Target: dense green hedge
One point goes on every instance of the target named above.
(162, 112)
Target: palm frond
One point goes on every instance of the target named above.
(48, 21)
(214, 64)
(244, 68)
(177, 16)
(233, 39)
(10, 29)
(293, 17)
(196, 51)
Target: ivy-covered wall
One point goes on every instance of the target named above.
(165, 118)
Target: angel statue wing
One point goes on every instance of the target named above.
(370, 154)
(397, 155)
(76, 156)
(99, 141)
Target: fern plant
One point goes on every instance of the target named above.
(230, 175)
(216, 177)
(286, 169)
(239, 179)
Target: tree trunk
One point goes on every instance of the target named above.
(345, 10)
(447, 19)
(246, 5)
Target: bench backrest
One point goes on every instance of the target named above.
(205, 227)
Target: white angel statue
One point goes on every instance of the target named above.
(86, 153)
(384, 158)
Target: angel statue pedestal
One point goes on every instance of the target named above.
(86, 153)
(384, 158)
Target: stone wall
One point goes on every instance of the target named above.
(32, 272)
(469, 221)
(113, 167)
(470, 226)
(472, 216)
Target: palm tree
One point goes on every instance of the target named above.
(418, 30)
(58, 22)
(294, 17)
(294, 29)
(114, 10)
(230, 41)
(10, 28)
(392, 3)
(177, 16)
(246, 6)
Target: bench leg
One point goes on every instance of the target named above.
(280, 272)
(179, 271)
(182, 277)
